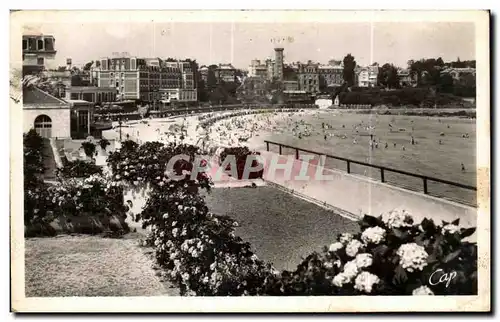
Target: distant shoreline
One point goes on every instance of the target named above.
(439, 112)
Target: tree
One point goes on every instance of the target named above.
(211, 79)
(349, 66)
(440, 62)
(218, 95)
(446, 83)
(88, 65)
(388, 76)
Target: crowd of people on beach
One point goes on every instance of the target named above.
(216, 130)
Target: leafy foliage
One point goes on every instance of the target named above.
(89, 148)
(78, 169)
(349, 66)
(199, 251)
(104, 143)
(241, 154)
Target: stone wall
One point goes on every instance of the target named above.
(60, 120)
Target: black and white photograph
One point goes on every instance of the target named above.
(294, 161)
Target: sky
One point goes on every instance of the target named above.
(239, 43)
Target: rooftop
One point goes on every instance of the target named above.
(89, 89)
(79, 102)
(35, 96)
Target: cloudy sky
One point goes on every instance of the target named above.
(241, 42)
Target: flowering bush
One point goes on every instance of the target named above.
(78, 169)
(94, 195)
(33, 169)
(89, 148)
(148, 164)
(392, 256)
(104, 143)
(197, 249)
(241, 154)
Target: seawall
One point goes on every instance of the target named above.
(359, 195)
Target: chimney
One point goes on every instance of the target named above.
(68, 63)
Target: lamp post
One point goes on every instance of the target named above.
(120, 125)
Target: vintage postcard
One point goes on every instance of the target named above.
(250, 161)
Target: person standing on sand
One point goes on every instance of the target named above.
(463, 168)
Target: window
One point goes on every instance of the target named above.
(40, 44)
(49, 44)
(43, 126)
(31, 44)
(39, 60)
(25, 44)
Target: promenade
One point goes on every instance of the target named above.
(358, 195)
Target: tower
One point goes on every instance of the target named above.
(278, 69)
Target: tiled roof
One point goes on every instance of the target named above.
(35, 96)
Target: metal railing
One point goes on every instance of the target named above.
(383, 170)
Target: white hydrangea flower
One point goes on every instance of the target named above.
(175, 231)
(328, 265)
(335, 246)
(340, 279)
(450, 229)
(412, 257)
(373, 235)
(184, 246)
(364, 260)
(185, 276)
(353, 247)
(345, 238)
(351, 269)
(397, 218)
(422, 290)
(364, 282)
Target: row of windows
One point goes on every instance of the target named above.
(38, 44)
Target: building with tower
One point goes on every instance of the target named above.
(278, 64)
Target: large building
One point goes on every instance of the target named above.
(458, 74)
(257, 69)
(308, 77)
(225, 73)
(278, 64)
(96, 95)
(38, 50)
(50, 116)
(405, 78)
(204, 73)
(367, 76)
(331, 76)
(142, 78)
